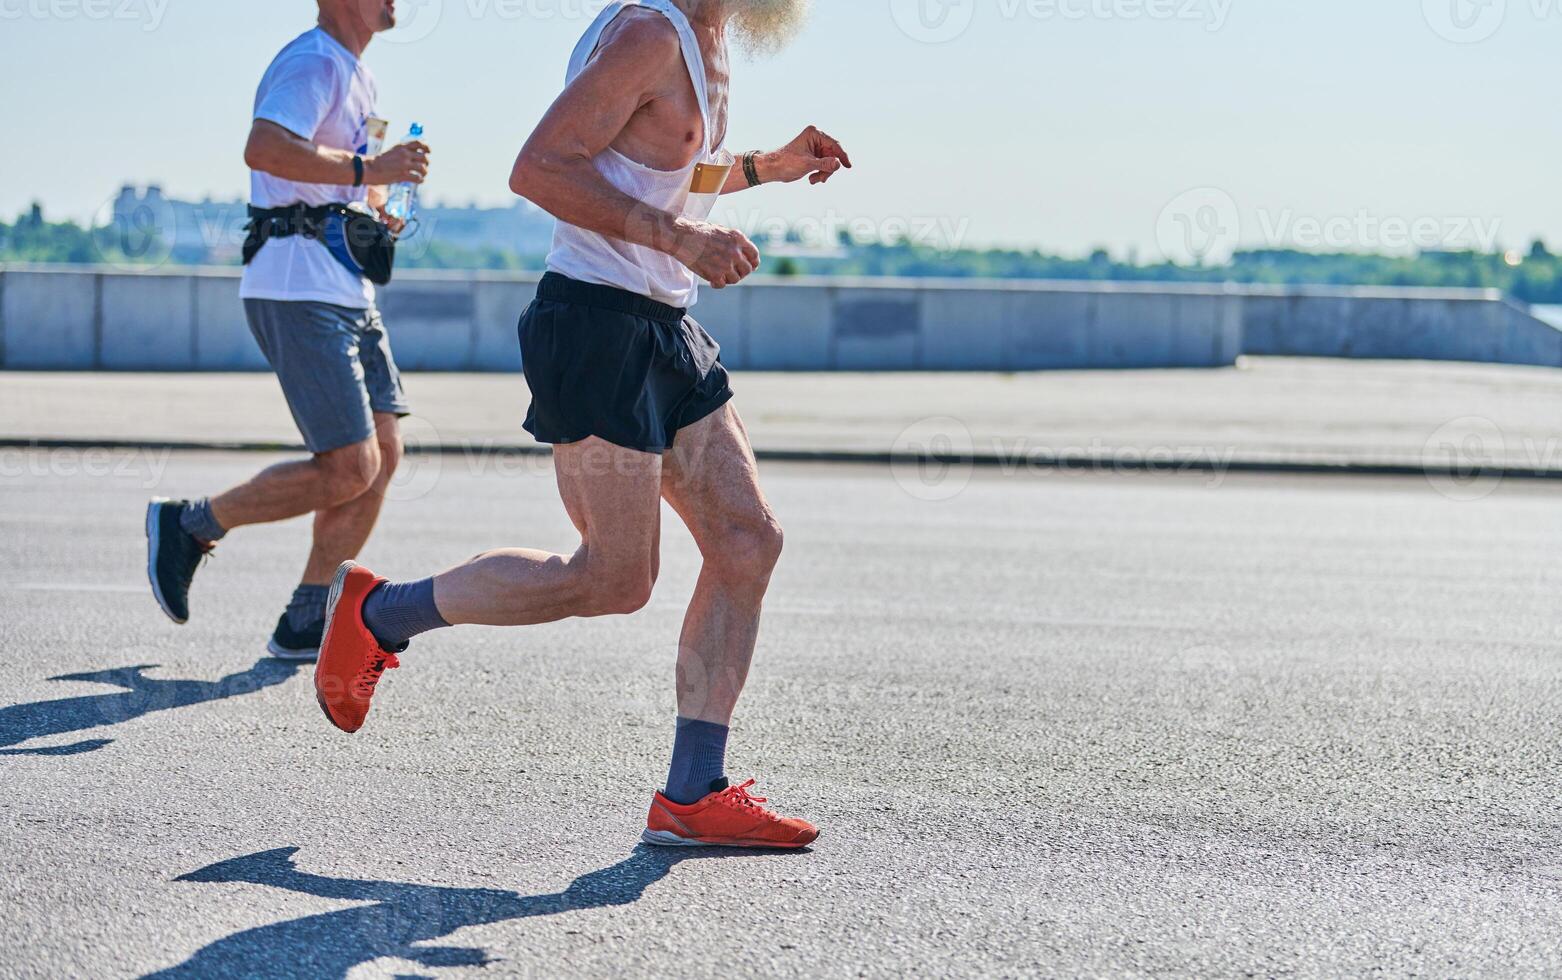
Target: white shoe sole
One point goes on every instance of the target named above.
(332, 598)
(153, 532)
(338, 581)
(666, 838)
(292, 656)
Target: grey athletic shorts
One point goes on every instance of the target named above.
(335, 366)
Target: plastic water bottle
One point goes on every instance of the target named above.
(403, 202)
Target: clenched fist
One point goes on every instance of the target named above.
(721, 256)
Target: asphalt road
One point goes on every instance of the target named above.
(1056, 724)
(1274, 410)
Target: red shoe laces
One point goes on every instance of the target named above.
(375, 664)
(739, 798)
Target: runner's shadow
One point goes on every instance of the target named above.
(402, 916)
(141, 696)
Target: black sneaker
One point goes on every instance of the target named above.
(288, 643)
(172, 556)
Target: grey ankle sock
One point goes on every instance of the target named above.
(396, 612)
(307, 606)
(198, 522)
(699, 761)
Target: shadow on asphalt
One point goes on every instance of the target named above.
(141, 696)
(331, 944)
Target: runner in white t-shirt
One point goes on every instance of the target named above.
(315, 321)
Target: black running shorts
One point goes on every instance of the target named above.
(608, 363)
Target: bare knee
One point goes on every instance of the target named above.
(348, 473)
(748, 550)
(616, 588)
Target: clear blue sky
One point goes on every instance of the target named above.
(1029, 127)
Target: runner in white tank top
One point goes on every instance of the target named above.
(588, 256)
(631, 394)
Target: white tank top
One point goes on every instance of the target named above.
(692, 191)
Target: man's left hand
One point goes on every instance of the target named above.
(815, 154)
(378, 197)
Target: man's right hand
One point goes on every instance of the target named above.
(403, 162)
(721, 256)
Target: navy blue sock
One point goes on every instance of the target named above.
(396, 612)
(198, 522)
(307, 606)
(699, 761)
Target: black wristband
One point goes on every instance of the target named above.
(750, 170)
(357, 171)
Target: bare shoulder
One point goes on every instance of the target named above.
(640, 35)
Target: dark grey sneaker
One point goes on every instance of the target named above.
(288, 643)
(172, 556)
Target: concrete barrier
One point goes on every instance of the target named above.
(1421, 324)
(49, 320)
(83, 318)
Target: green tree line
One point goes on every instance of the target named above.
(1534, 277)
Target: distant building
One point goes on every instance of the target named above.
(213, 231)
(210, 231)
(520, 228)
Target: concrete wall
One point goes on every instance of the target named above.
(89, 318)
(1423, 324)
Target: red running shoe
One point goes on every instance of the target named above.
(729, 818)
(351, 659)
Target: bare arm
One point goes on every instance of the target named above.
(815, 154)
(556, 169)
(274, 150)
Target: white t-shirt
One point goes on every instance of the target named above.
(316, 89)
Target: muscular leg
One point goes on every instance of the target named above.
(711, 480)
(293, 489)
(612, 495)
(342, 531)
